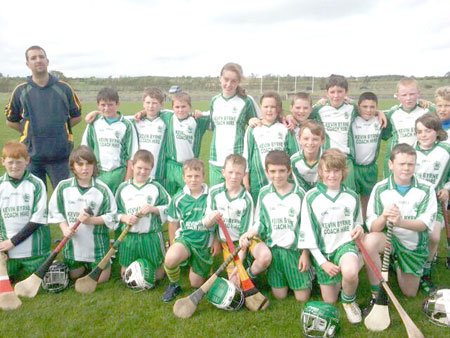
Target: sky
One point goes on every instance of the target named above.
(115, 38)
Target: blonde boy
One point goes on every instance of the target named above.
(24, 233)
(300, 108)
(142, 195)
(442, 106)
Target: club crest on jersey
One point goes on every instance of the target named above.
(26, 197)
(91, 205)
(238, 213)
(291, 212)
(347, 115)
(117, 134)
(437, 165)
(346, 211)
(149, 199)
(301, 236)
(234, 110)
(190, 129)
(416, 207)
(280, 135)
(160, 129)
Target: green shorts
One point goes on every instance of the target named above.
(174, 177)
(409, 261)
(27, 265)
(112, 178)
(283, 271)
(215, 175)
(148, 245)
(350, 179)
(199, 260)
(365, 178)
(334, 257)
(88, 266)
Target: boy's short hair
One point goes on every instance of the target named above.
(443, 92)
(83, 153)
(406, 82)
(333, 158)
(277, 157)
(14, 149)
(402, 148)
(301, 96)
(144, 156)
(154, 93)
(193, 164)
(183, 97)
(336, 80)
(314, 126)
(35, 47)
(368, 96)
(274, 95)
(431, 121)
(108, 94)
(236, 159)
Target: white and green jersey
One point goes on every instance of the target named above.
(367, 136)
(21, 202)
(337, 124)
(183, 136)
(277, 217)
(237, 212)
(402, 124)
(152, 137)
(305, 175)
(259, 141)
(327, 220)
(433, 165)
(90, 242)
(419, 202)
(228, 119)
(130, 198)
(113, 143)
(189, 211)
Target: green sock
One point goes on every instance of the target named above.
(346, 298)
(427, 268)
(173, 273)
(250, 274)
(374, 289)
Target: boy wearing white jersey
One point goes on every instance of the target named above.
(184, 135)
(24, 233)
(442, 107)
(366, 130)
(259, 140)
(331, 219)
(277, 222)
(141, 194)
(113, 140)
(402, 117)
(305, 162)
(410, 205)
(90, 241)
(300, 108)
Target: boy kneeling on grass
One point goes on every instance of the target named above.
(24, 233)
(331, 219)
(90, 241)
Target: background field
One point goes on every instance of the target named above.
(113, 310)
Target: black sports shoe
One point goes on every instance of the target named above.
(426, 284)
(366, 309)
(171, 292)
(380, 299)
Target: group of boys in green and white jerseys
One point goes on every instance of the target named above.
(293, 193)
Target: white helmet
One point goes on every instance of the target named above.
(140, 275)
(57, 277)
(225, 295)
(437, 307)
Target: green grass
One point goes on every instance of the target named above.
(114, 310)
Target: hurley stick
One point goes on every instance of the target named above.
(8, 299)
(447, 232)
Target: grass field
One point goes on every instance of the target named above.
(115, 311)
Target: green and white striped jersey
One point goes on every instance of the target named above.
(402, 124)
(277, 217)
(90, 242)
(183, 136)
(228, 119)
(130, 198)
(337, 123)
(419, 202)
(152, 137)
(237, 212)
(433, 165)
(21, 202)
(189, 211)
(113, 143)
(327, 221)
(259, 141)
(305, 175)
(367, 136)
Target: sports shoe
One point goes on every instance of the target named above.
(426, 284)
(171, 292)
(366, 309)
(353, 312)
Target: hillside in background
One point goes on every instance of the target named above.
(202, 88)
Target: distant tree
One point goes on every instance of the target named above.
(58, 74)
(1, 74)
(447, 74)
